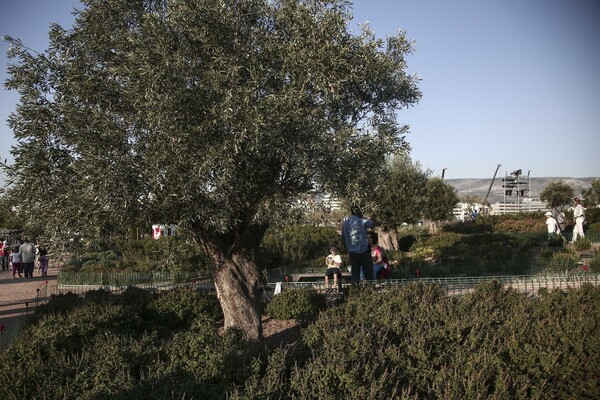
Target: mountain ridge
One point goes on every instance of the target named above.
(479, 187)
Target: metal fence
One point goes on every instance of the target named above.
(481, 266)
(126, 278)
(82, 289)
(530, 284)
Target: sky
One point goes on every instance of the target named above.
(509, 82)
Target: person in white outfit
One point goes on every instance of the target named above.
(552, 223)
(579, 217)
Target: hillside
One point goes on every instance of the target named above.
(479, 187)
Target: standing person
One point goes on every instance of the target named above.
(333, 262)
(558, 214)
(4, 266)
(579, 217)
(28, 257)
(354, 236)
(43, 260)
(5, 255)
(552, 223)
(16, 261)
(381, 267)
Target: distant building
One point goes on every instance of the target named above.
(462, 211)
(329, 202)
(526, 205)
(166, 230)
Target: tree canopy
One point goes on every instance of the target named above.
(559, 191)
(406, 193)
(591, 196)
(441, 199)
(214, 115)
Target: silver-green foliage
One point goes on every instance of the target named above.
(592, 195)
(211, 114)
(407, 193)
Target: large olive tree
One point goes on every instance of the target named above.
(212, 114)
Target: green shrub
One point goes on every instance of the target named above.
(171, 254)
(592, 216)
(293, 244)
(546, 253)
(60, 303)
(303, 304)
(556, 241)
(561, 262)
(204, 365)
(100, 296)
(411, 342)
(531, 224)
(417, 343)
(444, 240)
(110, 365)
(594, 263)
(136, 297)
(595, 227)
(582, 244)
(406, 241)
(178, 308)
(468, 228)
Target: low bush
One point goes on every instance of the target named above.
(594, 263)
(415, 342)
(592, 216)
(293, 244)
(556, 241)
(200, 364)
(582, 244)
(411, 342)
(406, 241)
(171, 254)
(302, 304)
(531, 224)
(468, 227)
(60, 303)
(561, 262)
(178, 308)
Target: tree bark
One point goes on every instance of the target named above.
(237, 280)
(388, 239)
(239, 291)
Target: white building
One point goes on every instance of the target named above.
(531, 204)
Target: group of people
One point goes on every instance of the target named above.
(555, 219)
(368, 260)
(22, 257)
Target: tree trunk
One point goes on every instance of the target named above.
(239, 291)
(237, 280)
(388, 239)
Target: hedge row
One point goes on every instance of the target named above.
(412, 342)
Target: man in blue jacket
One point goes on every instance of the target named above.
(354, 236)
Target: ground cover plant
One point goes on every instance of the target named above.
(408, 342)
(172, 254)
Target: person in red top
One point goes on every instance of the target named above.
(381, 266)
(3, 248)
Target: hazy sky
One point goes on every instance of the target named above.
(511, 82)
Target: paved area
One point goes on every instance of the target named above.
(15, 293)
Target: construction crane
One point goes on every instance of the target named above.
(491, 184)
